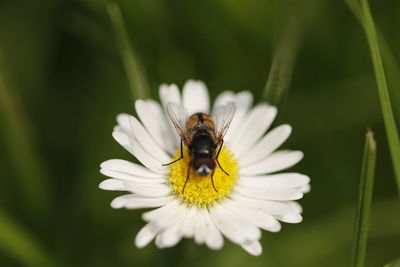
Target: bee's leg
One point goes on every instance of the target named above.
(181, 157)
(216, 158)
(187, 177)
(212, 180)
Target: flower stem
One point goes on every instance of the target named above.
(134, 70)
(283, 60)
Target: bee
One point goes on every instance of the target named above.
(203, 135)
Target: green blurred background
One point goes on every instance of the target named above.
(62, 82)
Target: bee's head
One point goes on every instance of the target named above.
(203, 166)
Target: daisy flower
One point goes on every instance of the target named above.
(245, 193)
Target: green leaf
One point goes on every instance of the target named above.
(387, 112)
(134, 70)
(20, 245)
(364, 201)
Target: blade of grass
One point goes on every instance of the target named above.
(388, 117)
(395, 263)
(364, 201)
(20, 245)
(134, 70)
(283, 60)
(31, 176)
(392, 69)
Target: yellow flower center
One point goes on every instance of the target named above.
(199, 190)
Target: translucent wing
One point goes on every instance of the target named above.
(179, 116)
(222, 117)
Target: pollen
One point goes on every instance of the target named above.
(199, 190)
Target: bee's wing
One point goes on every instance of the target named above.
(222, 117)
(179, 116)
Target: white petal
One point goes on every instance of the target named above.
(132, 178)
(146, 235)
(147, 141)
(189, 223)
(256, 122)
(266, 222)
(229, 228)
(214, 239)
(206, 231)
(134, 130)
(123, 121)
(280, 180)
(253, 247)
(255, 215)
(195, 97)
(250, 230)
(275, 162)
(167, 215)
(243, 101)
(169, 93)
(134, 147)
(148, 190)
(169, 237)
(269, 143)
(156, 124)
(201, 230)
(233, 226)
(270, 194)
(290, 218)
(167, 218)
(268, 206)
(145, 190)
(133, 201)
(112, 184)
(224, 98)
(305, 188)
(296, 207)
(169, 135)
(160, 212)
(124, 166)
(122, 138)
